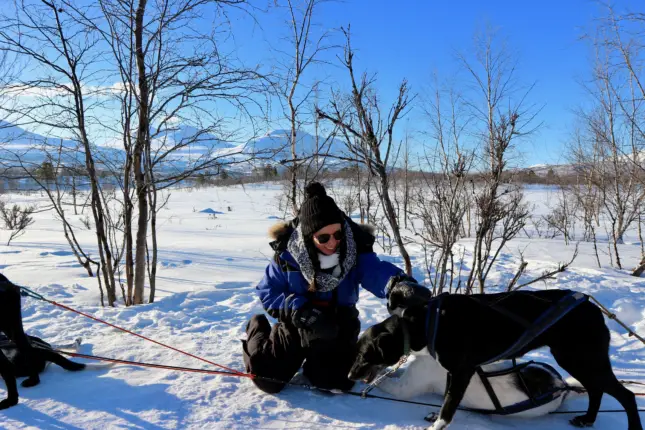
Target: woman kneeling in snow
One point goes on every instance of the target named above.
(311, 287)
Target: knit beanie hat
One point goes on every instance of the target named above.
(318, 210)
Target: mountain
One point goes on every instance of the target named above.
(19, 145)
(32, 149)
(17, 137)
(543, 170)
(276, 147)
(194, 142)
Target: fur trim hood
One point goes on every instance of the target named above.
(281, 232)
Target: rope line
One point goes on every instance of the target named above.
(28, 292)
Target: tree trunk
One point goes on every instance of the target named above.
(294, 188)
(391, 216)
(96, 202)
(294, 165)
(640, 269)
(98, 212)
(74, 191)
(615, 244)
(139, 177)
(127, 231)
(152, 262)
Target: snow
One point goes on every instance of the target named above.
(207, 273)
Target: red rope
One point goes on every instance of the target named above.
(156, 366)
(148, 339)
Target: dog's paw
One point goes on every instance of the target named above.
(7, 403)
(32, 381)
(581, 422)
(431, 417)
(438, 425)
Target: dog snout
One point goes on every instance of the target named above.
(366, 375)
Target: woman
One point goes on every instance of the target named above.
(311, 288)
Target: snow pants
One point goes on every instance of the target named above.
(278, 352)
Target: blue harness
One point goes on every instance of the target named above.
(551, 316)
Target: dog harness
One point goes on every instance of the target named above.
(534, 400)
(532, 330)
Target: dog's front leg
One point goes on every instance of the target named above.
(10, 382)
(458, 384)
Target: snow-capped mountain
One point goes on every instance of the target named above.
(188, 146)
(19, 146)
(276, 144)
(544, 170)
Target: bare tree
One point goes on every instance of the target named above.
(16, 219)
(41, 32)
(562, 217)
(369, 136)
(165, 77)
(307, 49)
(501, 115)
(618, 42)
(443, 203)
(607, 153)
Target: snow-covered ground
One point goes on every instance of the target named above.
(209, 265)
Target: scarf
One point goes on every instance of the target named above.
(324, 282)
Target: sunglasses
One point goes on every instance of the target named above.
(324, 238)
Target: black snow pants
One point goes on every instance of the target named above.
(278, 352)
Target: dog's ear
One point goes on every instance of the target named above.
(389, 348)
(384, 343)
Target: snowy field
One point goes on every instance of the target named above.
(209, 265)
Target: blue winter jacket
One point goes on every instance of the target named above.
(284, 288)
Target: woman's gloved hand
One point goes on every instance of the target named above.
(317, 324)
(401, 279)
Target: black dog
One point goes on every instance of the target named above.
(32, 359)
(475, 329)
(43, 354)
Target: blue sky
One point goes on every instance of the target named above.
(416, 38)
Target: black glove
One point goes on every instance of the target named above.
(398, 279)
(404, 292)
(316, 324)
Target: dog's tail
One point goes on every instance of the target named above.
(76, 347)
(61, 361)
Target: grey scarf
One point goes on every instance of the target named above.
(324, 281)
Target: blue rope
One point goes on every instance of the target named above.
(26, 292)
